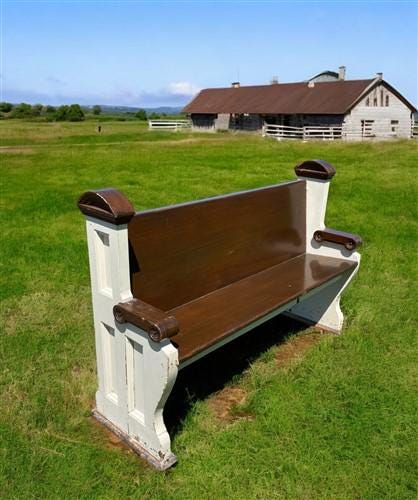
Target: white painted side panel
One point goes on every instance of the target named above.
(151, 372)
(323, 308)
(135, 375)
(108, 252)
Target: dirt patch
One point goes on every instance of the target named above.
(224, 403)
(16, 150)
(296, 348)
(108, 438)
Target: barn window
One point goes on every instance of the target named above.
(387, 100)
(368, 101)
(375, 101)
(394, 125)
(381, 97)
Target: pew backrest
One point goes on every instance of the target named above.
(181, 252)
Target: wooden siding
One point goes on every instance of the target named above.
(377, 120)
(223, 121)
(203, 123)
(248, 122)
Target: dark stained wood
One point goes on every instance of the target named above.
(350, 241)
(315, 169)
(106, 204)
(158, 324)
(208, 319)
(182, 252)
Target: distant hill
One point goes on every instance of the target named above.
(169, 110)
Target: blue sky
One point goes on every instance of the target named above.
(161, 53)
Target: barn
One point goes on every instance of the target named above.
(347, 109)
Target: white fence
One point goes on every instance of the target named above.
(322, 133)
(282, 132)
(169, 124)
(304, 133)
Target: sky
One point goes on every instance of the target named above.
(160, 53)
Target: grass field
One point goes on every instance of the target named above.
(302, 416)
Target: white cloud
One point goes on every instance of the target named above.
(175, 94)
(182, 88)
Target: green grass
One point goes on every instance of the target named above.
(340, 422)
(30, 133)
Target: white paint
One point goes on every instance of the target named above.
(222, 121)
(323, 307)
(151, 370)
(169, 124)
(306, 133)
(135, 375)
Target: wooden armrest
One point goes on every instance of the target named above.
(155, 322)
(350, 241)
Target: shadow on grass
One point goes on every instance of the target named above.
(211, 373)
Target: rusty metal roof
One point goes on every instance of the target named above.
(333, 98)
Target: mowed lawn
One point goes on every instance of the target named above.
(335, 420)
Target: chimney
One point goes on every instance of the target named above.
(379, 76)
(236, 85)
(311, 84)
(341, 73)
(274, 80)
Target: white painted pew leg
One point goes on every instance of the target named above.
(322, 308)
(151, 370)
(145, 373)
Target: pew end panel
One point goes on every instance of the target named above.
(323, 308)
(136, 363)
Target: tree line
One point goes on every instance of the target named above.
(71, 113)
(141, 114)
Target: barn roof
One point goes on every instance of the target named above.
(325, 98)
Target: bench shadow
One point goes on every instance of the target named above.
(211, 373)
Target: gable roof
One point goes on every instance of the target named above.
(324, 98)
(387, 85)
